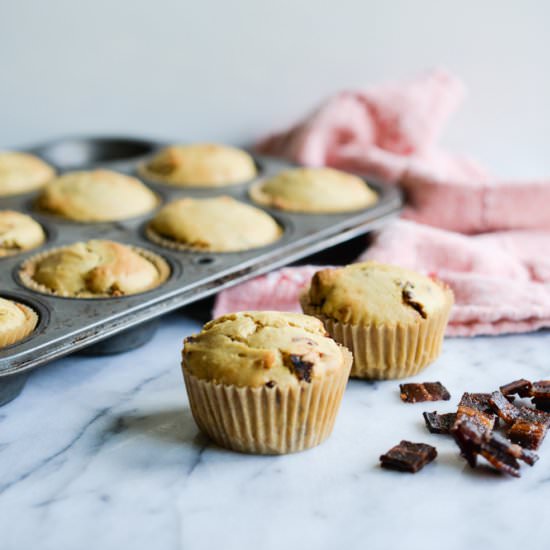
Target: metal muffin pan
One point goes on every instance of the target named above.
(67, 324)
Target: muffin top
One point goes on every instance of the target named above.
(18, 233)
(22, 172)
(16, 321)
(319, 190)
(201, 164)
(12, 315)
(94, 269)
(219, 224)
(262, 348)
(374, 293)
(96, 196)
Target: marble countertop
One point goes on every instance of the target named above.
(103, 453)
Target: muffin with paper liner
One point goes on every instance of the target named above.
(265, 382)
(392, 319)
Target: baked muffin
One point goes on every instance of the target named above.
(265, 382)
(95, 269)
(314, 190)
(18, 233)
(220, 224)
(392, 319)
(22, 172)
(200, 165)
(17, 321)
(96, 196)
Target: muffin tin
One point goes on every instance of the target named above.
(68, 324)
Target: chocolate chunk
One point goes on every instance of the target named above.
(407, 295)
(510, 412)
(270, 384)
(427, 391)
(408, 457)
(541, 390)
(439, 423)
(476, 407)
(541, 404)
(503, 455)
(527, 434)
(301, 368)
(520, 387)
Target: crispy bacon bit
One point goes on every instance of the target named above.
(407, 295)
(408, 457)
(427, 391)
(476, 408)
(529, 435)
(473, 440)
(510, 412)
(439, 423)
(541, 389)
(541, 404)
(520, 387)
(301, 368)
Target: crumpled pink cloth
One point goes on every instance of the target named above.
(496, 262)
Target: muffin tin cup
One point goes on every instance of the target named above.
(27, 269)
(70, 324)
(268, 421)
(10, 337)
(155, 238)
(387, 352)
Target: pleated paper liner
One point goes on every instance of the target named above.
(383, 352)
(264, 420)
(28, 268)
(165, 242)
(11, 336)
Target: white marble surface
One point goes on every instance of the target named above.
(103, 453)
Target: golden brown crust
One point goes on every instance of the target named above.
(202, 165)
(373, 293)
(96, 196)
(18, 233)
(256, 349)
(17, 321)
(22, 173)
(314, 190)
(95, 269)
(219, 224)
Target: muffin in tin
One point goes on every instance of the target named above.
(200, 165)
(18, 233)
(265, 382)
(94, 269)
(22, 173)
(219, 224)
(96, 196)
(314, 190)
(392, 319)
(17, 321)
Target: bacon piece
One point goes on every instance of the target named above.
(476, 407)
(503, 455)
(519, 387)
(439, 423)
(510, 412)
(529, 435)
(426, 391)
(408, 457)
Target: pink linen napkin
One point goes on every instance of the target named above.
(501, 279)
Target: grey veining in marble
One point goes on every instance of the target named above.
(103, 453)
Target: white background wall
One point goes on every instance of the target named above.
(233, 70)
